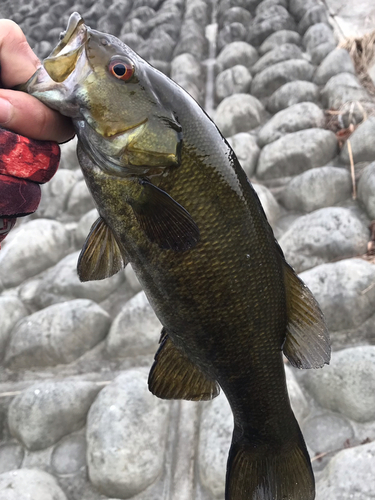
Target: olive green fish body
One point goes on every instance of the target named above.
(223, 302)
(176, 205)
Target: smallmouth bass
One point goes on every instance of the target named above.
(175, 204)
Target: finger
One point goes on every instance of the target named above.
(20, 112)
(18, 61)
(27, 116)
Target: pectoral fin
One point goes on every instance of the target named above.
(101, 256)
(307, 340)
(164, 221)
(174, 376)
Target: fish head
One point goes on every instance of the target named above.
(107, 89)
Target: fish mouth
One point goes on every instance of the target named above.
(63, 59)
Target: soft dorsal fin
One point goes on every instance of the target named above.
(307, 342)
(164, 221)
(100, 256)
(174, 376)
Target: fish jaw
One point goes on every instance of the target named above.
(55, 95)
(57, 83)
(73, 38)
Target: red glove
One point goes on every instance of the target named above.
(24, 164)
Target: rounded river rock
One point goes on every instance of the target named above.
(126, 431)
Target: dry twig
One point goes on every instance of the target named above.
(345, 447)
(352, 171)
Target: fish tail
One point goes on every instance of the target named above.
(269, 472)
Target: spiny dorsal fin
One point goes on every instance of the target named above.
(164, 221)
(174, 376)
(100, 256)
(307, 340)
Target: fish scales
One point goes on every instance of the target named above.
(175, 203)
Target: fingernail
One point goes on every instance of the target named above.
(6, 111)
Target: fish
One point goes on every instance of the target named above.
(174, 202)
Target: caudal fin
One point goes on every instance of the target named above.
(267, 472)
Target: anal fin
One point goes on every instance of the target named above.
(174, 376)
(100, 256)
(307, 342)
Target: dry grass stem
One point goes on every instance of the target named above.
(367, 289)
(322, 455)
(7, 394)
(362, 52)
(16, 393)
(345, 447)
(352, 170)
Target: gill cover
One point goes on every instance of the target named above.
(120, 103)
(157, 145)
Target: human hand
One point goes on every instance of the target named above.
(19, 111)
(24, 162)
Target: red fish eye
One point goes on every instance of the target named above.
(121, 70)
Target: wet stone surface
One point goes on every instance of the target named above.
(11, 456)
(344, 291)
(279, 38)
(239, 113)
(346, 385)
(366, 190)
(343, 88)
(40, 485)
(322, 236)
(47, 411)
(61, 283)
(327, 432)
(126, 435)
(48, 241)
(267, 21)
(235, 80)
(319, 42)
(135, 330)
(337, 61)
(77, 421)
(69, 455)
(236, 53)
(362, 146)
(57, 334)
(293, 93)
(269, 204)
(247, 151)
(281, 53)
(317, 188)
(300, 116)
(350, 474)
(273, 77)
(297, 152)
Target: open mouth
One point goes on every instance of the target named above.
(62, 60)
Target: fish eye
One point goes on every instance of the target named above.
(62, 34)
(121, 70)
